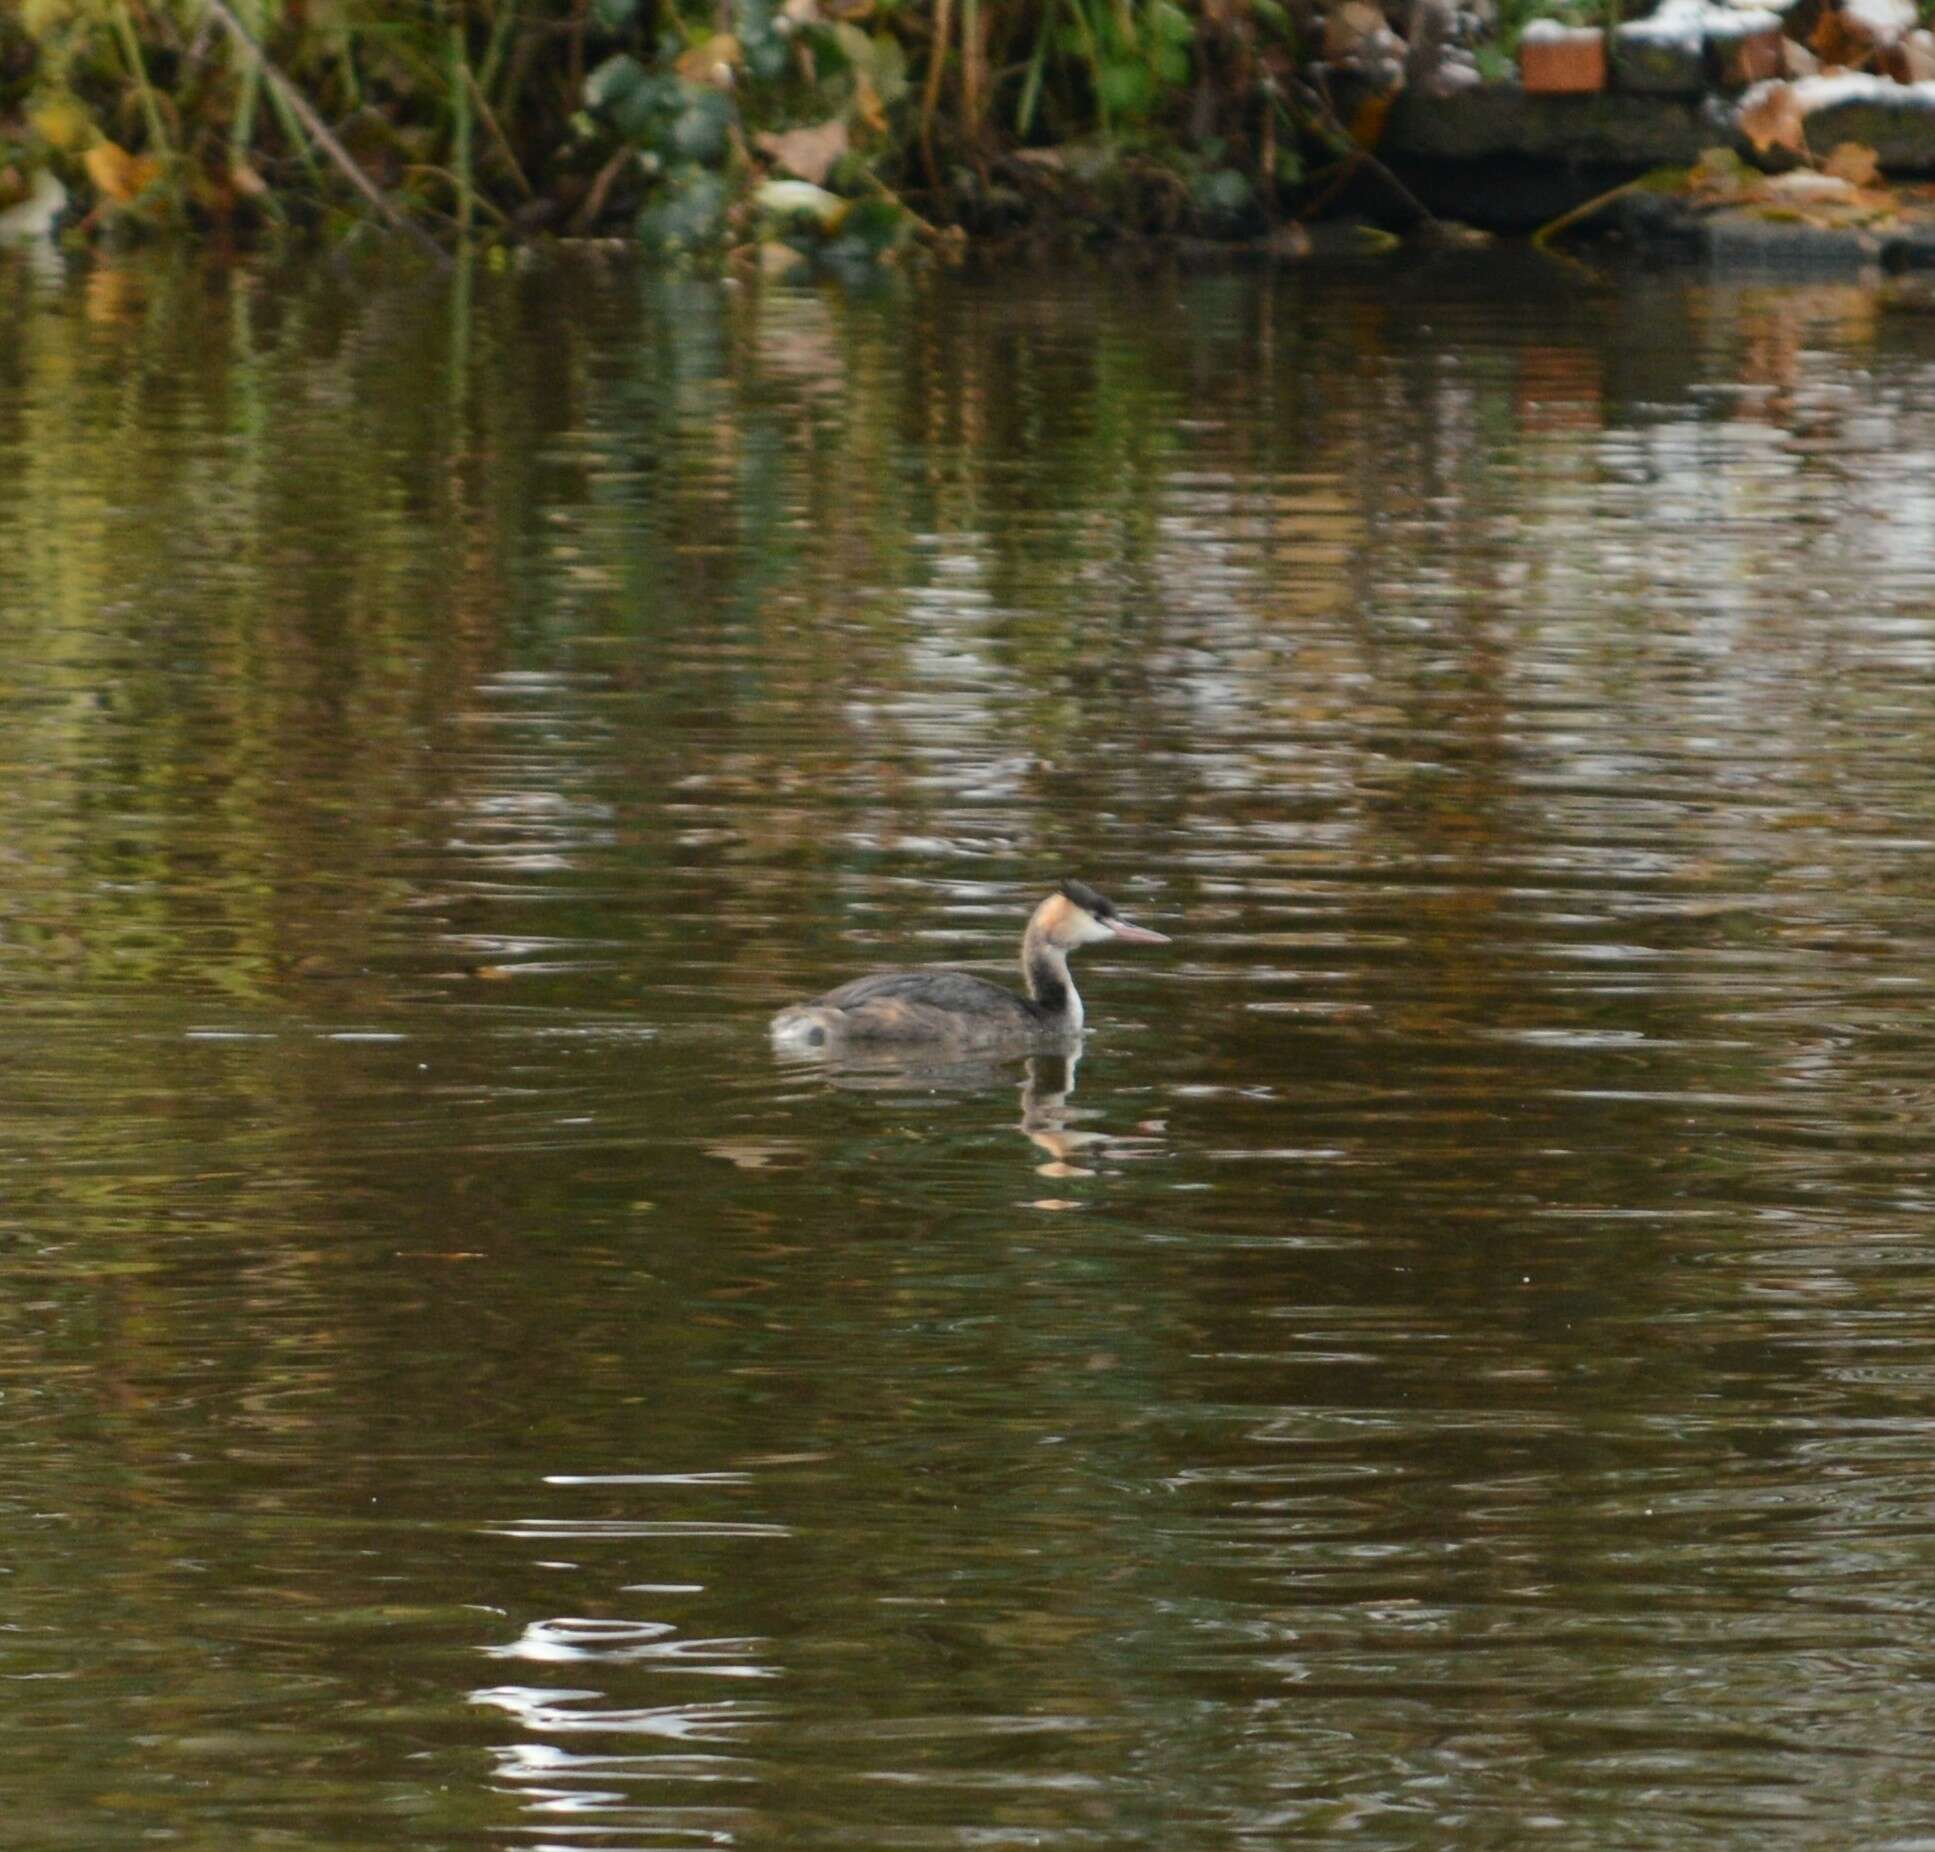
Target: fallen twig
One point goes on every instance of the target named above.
(1646, 183)
(594, 201)
(1325, 120)
(489, 119)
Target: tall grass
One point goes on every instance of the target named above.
(481, 117)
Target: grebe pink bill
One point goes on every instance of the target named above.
(936, 1008)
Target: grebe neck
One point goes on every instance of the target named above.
(1053, 991)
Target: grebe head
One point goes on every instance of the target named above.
(1075, 914)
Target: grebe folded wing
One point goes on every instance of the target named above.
(943, 989)
(911, 1006)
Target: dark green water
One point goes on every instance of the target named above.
(1458, 1367)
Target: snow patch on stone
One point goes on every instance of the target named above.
(1678, 21)
(1881, 22)
(1860, 87)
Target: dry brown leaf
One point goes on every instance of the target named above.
(1797, 61)
(117, 174)
(712, 61)
(1832, 42)
(1771, 116)
(866, 104)
(1853, 162)
(807, 154)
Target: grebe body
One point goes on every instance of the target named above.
(937, 1007)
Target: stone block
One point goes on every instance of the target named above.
(1896, 120)
(1739, 241)
(1911, 247)
(1505, 122)
(1877, 24)
(1661, 56)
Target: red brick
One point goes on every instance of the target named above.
(1569, 62)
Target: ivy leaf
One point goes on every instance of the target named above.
(686, 214)
(613, 82)
(702, 130)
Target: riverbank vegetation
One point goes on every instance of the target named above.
(848, 127)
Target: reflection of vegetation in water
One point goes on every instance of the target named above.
(268, 542)
(811, 565)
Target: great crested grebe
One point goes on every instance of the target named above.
(938, 1007)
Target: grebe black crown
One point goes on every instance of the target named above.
(1085, 896)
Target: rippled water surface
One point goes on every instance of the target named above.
(1453, 1362)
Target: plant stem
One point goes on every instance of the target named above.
(137, 66)
(489, 118)
(298, 136)
(1094, 50)
(500, 38)
(1031, 85)
(248, 92)
(974, 53)
(300, 106)
(461, 103)
(931, 93)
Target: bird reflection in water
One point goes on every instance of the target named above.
(1048, 1120)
